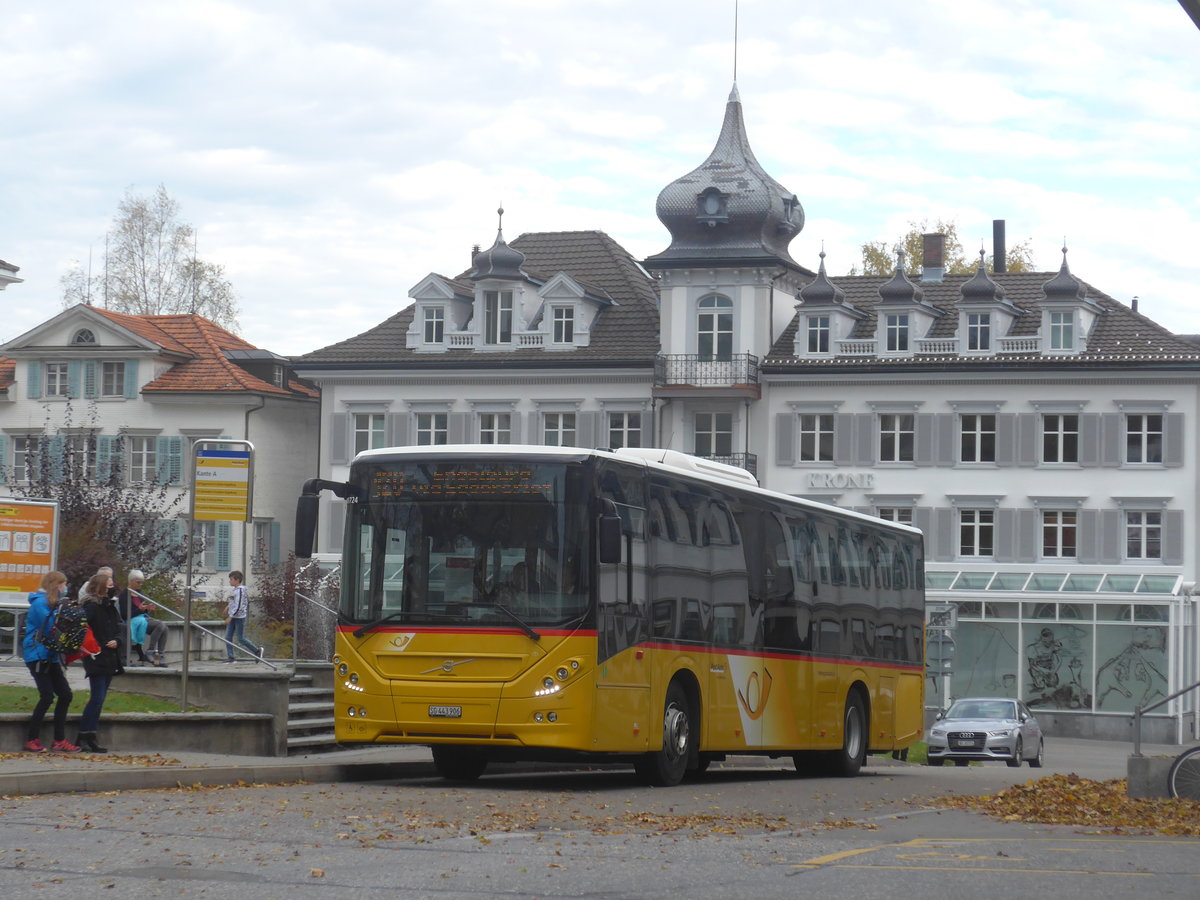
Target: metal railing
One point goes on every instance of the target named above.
(701, 369)
(187, 644)
(327, 613)
(1137, 716)
(747, 461)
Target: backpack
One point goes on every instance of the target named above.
(67, 633)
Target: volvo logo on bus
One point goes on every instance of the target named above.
(448, 666)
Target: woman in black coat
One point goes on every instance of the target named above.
(105, 621)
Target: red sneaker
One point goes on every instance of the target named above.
(35, 746)
(64, 746)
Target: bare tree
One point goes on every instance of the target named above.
(150, 266)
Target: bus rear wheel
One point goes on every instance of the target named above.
(845, 763)
(666, 767)
(459, 763)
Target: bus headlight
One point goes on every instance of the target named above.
(562, 673)
(343, 669)
(354, 678)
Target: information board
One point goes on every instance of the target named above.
(28, 543)
(222, 485)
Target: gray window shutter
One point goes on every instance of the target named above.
(586, 425)
(1172, 538)
(516, 421)
(1112, 434)
(843, 439)
(947, 431)
(865, 449)
(337, 524)
(945, 547)
(75, 378)
(1087, 544)
(89, 379)
(924, 439)
(1005, 528)
(3, 458)
(398, 434)
(785, 439)
(339, 438)
(1173, 439)
(273, 546)
(648, 432)
(106, 444)
(224, 532)
(1027, 439)
(33, 378)
(131, 379)
(1006, 439)
(458, 428)
(923, 519)
(1028, 535)
(1089, 439)
(1111, 535)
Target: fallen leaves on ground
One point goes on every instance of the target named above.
(142, 760)
(1071, 800)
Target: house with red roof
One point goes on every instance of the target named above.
(134, 394)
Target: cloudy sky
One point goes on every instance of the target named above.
(331, 154)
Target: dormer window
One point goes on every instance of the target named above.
(710, 207)
(84, 336)
(564, 325)
(497, 317)
(979, 331)
(896, 332)
(714, 329)
(818, 334)
(1062, 330)
(435, 324)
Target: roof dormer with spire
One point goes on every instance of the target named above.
(904, 316)
(825, 317)
(1068, 314)
(984, 314)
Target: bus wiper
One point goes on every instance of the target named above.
(533, 635)
(359, 632)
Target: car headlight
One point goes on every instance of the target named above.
(937, 732)
(1003, 732)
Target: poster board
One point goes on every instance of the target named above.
(28, 543)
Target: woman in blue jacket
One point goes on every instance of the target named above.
(47, 667)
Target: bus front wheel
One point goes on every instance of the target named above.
(845, 763)
(459, 763)
(666, 767)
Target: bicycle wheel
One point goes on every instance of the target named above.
(1184, 778)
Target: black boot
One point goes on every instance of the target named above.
(87, 740)
(142, 658)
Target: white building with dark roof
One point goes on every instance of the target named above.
(1040, 432)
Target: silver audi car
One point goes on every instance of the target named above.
(986, 728)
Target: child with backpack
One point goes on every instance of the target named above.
(46, 665)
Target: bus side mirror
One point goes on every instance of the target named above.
(609, 551)
(306, 524)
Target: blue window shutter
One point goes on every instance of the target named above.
(89, 379)
(33, 377)
(105, 444)
(131, 379)
(3, 458)
(175, 460)
(273, 550)
(75, 378)
(57, 448)
(162, 452)
(223, 546)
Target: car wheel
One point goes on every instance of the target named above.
(666, 767)
(1015, 762)
(1037, 761)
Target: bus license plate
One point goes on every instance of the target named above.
(445, 712)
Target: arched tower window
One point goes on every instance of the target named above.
(84, 336)
(714, 329)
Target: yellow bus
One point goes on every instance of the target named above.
(540, 603)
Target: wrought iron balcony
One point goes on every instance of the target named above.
(705, 374)
(747, 461)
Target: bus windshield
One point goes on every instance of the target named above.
(467, 542)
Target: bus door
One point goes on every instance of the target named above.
(624, 670)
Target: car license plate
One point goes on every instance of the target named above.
(445, 712)
(963, 743)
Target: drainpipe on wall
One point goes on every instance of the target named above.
(262, 401)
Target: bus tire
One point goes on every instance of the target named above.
(459, 763)
(845, 763)
(666, 767)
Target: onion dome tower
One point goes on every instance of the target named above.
(728, 211)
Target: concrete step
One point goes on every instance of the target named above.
(297, 710)
(310, 743)
(305, 694)
(325, 722)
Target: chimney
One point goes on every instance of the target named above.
(999, 250)
(933, 256)
(1133, 304)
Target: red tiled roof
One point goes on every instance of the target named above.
(8, 372)
(209, 369)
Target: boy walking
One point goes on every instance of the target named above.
(236, 612)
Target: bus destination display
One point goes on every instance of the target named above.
(508, 481)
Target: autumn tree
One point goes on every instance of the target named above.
(880, 259)
(104, 517)
(150, 266)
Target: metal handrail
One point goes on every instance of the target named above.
(296, 608)
(1137, 716)
(197, 625)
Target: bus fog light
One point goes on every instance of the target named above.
(362, 712)
(354, 678)
(553, 716)
(343, 669)
(537, 717)
(352, 712)
(547, 682)
(562, 673)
